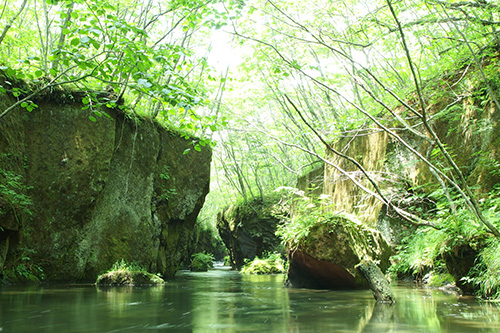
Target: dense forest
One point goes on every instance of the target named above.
(278, 89)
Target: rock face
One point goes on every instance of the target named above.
(248, 230)
(370, 150)
(328, 256)
(116, 188)
(403, 178)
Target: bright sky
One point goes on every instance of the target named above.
(223, 54)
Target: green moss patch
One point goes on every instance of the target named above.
(201, 262)
(274, 264)
(123, 277)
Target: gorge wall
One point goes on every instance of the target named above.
(470, 131)
(117, 188)
(249, 229)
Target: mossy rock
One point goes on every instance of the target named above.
(201, 262)
(328, 256)
(249, 229)
(122, 277)
(264, 266)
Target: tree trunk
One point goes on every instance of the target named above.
(377, 281)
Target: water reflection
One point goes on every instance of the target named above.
(224, 301)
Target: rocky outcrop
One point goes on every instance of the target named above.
(370, 150)
(471, 134)
(459, 260)
(119, 187)
(122, 277)
(248, 230)
(328, 257)
(207, 240)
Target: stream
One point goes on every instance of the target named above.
(221, 300)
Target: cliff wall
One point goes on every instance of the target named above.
(119, 187)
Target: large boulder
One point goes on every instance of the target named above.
(248, 230)
(328, 256)
(116, 188)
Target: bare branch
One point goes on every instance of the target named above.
(9, 24)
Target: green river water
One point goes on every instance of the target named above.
(225, 301)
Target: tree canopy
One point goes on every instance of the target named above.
(302, 75)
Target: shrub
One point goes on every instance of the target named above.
(273, 264)
(201, 262)
(128, 274)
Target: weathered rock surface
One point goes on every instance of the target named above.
(248, 230)
(398, 172)
(329, 255)
(101, 191)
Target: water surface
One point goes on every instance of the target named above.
(225, 301)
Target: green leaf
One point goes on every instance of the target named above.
(92, 118)
(95, 44)
(197, 147)
(144, 83)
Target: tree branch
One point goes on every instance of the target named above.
(9, 24)
(378, 193)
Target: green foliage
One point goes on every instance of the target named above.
(25, 270)
(201, 262)
(272, 263)
(440, 277)
(138, 54)
(306, 212)
(124, 273)
(422, 252)
(167, 192)
(13, 193)
(126, 266)
(484, 275)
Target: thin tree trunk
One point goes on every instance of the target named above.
(9, 24)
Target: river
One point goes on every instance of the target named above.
(225, 301)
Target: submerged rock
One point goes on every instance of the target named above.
(328, 257)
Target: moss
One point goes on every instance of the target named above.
(440, 279)
(248, 229)
(124, 277)
(274, 264)
(345, 242)
(201, 262)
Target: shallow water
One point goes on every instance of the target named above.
(224, 301)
